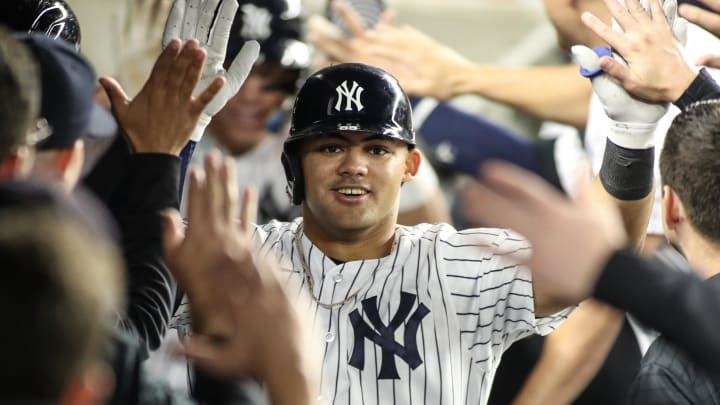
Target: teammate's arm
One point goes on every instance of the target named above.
(427, 68)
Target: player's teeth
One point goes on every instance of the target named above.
(352, 191)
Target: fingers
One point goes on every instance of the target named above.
(706, 19)
(709, 60)
(387, 18)
(205, 19)
(352, 20)
(485, 207)
(118, 99)
(248, 213)
(209, 355)
(163, 64)
(208, 94)
(228, 177)
(615, 69)
(620, 13)
(188, 70)
(221, 30)
(607, 34)
(196, 205)
(243, 63)
(668, 10)
(336, 49)
(215, 192)
(189, 26)
(517, 183)
(174, 22)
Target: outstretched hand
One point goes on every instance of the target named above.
(218, 237)
(585, 231)
(708, 19)
(647, 43)
(421, 64)
(209, 22)
(163, 115)
(245, 323)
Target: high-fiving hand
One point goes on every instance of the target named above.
(197, 19)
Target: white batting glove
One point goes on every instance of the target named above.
(632, 122)
(193, 19)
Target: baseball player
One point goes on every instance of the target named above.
(408, 314)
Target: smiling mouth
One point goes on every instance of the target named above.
(351, 191)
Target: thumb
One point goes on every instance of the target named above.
(586, 58)
(244, 61)
(118, 99)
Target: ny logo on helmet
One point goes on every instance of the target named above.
(351, 96)
(256, 22)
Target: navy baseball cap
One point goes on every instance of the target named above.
(68, 93)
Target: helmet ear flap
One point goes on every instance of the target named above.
(295, 187)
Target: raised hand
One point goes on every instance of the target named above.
(197, 19)
(708, 19)
(647, 59)
(218, 237)
(585, 230)
(164, 114)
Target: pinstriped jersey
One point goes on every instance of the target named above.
(426, 324)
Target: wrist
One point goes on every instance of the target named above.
(289, 380)
(463, 79)
(632, 135)
(683, 78)
(203, 122)
(625, 173)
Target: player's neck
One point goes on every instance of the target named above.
(702, 254)
(347, 246)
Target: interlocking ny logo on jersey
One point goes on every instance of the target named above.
(351, 96)
(256, 22)
(384, 335)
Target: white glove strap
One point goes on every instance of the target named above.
(199, 130)
(632, 135)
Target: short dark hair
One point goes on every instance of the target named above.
(59, 287)
(690, 165)
(20, 89)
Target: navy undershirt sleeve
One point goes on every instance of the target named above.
(465, 141)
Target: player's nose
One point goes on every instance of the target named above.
(354, 163)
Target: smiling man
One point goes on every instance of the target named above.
(408, 314)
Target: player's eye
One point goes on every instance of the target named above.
(378, 150)
(330, 148)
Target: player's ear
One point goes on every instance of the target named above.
(412, 164)
(673, 212)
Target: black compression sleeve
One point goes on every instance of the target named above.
(679, 305)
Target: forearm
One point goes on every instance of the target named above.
(703, 87)
(151, 187)
(635, 215)
(572, 355)
(552, 93)
(290, 383)
(679, 305)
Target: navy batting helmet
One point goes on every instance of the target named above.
(346, 97)
(55, 18)
(277, 26)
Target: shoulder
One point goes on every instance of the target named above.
(668, 375)
(275, 230)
